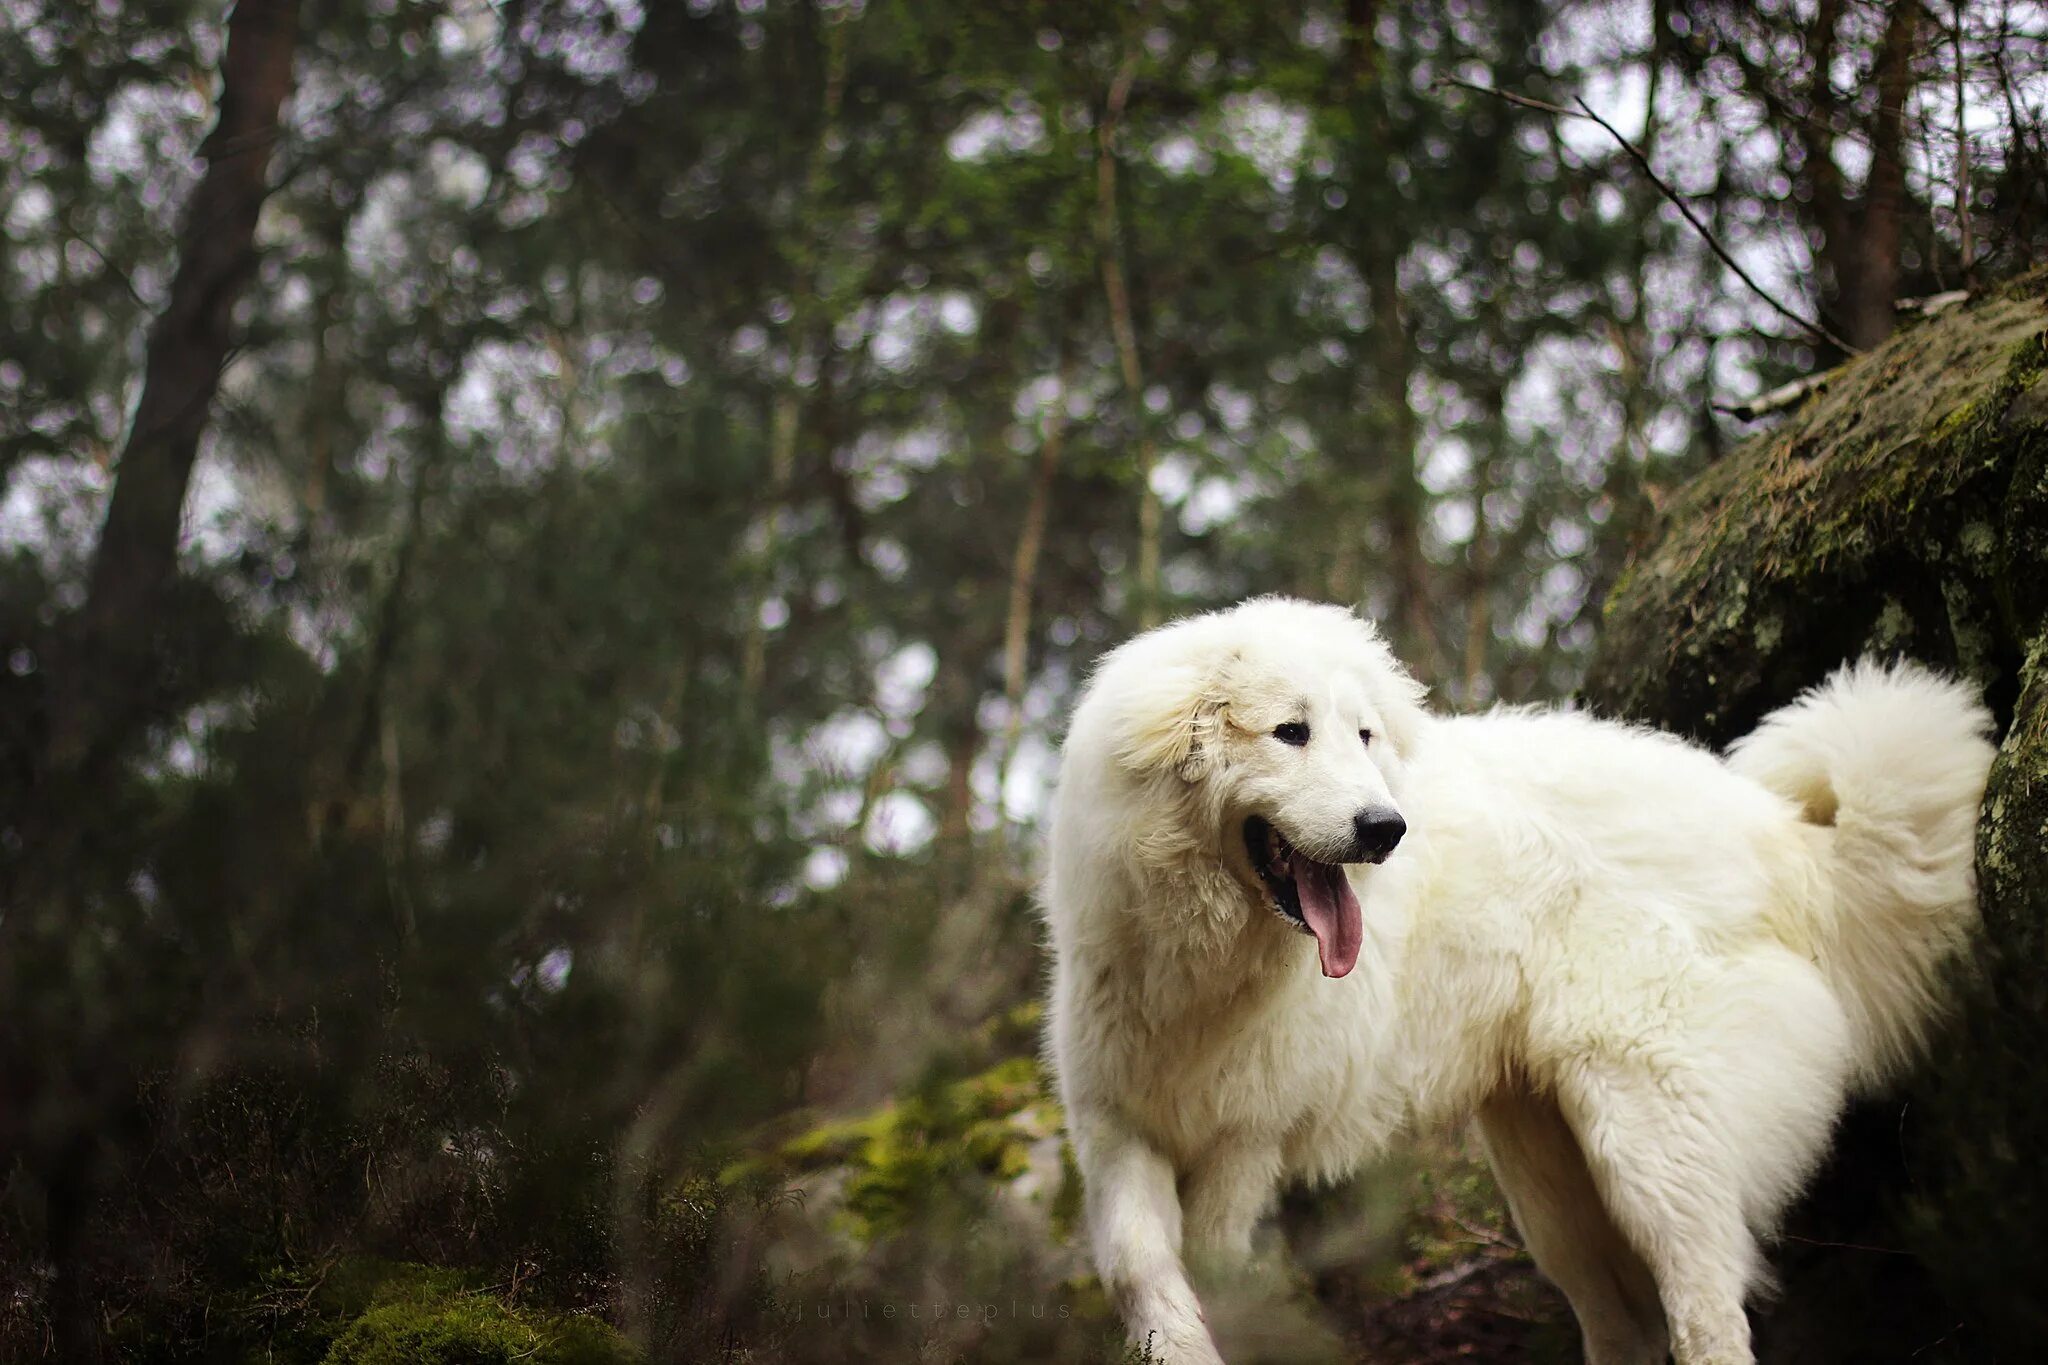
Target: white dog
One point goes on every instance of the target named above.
(1292, 913)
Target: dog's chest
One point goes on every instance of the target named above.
(1235, 1068)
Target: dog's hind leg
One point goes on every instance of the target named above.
(1699, 1122)
(1662, 1152)
(1540, 1168)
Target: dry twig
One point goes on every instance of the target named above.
(1778, 399)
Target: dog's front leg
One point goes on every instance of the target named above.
(1134, 1223)
(1228, 1191)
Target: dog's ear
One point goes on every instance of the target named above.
(1395, 693)
(1398, 698)
(1170, 722)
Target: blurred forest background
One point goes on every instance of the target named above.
(545, 546)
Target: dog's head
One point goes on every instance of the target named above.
(1272, 735)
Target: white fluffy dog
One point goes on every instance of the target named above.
(1292, 914)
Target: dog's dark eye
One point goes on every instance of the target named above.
(1365, 737)
(1293, 732)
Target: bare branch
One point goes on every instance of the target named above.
(1963, 224)
(1585, 111)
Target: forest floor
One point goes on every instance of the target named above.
(1491, 1307)
(1460, 1287)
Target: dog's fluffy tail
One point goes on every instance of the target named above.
(1895, 760)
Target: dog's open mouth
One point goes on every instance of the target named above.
(1315, 898)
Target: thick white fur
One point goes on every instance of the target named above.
(1654, 976)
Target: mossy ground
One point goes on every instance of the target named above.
(361, 1310)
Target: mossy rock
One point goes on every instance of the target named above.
(1899, 512)
(966, 1129)
(1904, 512)
(977, 1129)
(353, 1285)
(474, 1330)
(843, 1140)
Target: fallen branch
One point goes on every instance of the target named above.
(1778, 399)
(1932, 304)
(1452, 1276)
(1844, 1246)
(1585, 111)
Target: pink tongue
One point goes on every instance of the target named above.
(1330, 908)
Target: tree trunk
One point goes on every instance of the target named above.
(1116, 292)
(1024, 579)
(1822, 191)
(1900, 512)
(108, 673)
(1407, 569)
(1479, 572)
(1868, 312)
(1390, 421)
(811, 335)
(955, 705)
(1859, 251)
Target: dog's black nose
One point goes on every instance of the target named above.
(1377, 831)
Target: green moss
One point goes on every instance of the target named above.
(356, 1284)
(1894, 626)
(473, 1331)
(1958, 423)
(1015, 1030)
(1002, 1089)
(831, 1143)
(981, 1126)
(362, 1310)
(448, 1333)
(995, 1147)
